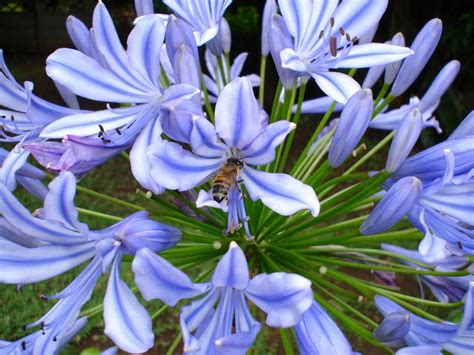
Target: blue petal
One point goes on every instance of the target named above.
(372, 54)
(404, 140)
(262, 150)
(280, 192)
(317, 333)
(177, 117)
(204, 139)
(11, 163)
(420, 349)
(430, 163)
(87, 124)
(178, 169)
(79, 34)
(292, 61)
(232, 270)
(392, 69)
(393, 328)
(179, 33)
(22, 265)
(144, 47)
(284, 297)
(127, 322)
(440, 84)
(466, 128)
(424, 45)
(87, 78)
(319, 105)
(138, 231)
(139, 163)
(338, 86)
(353, 123)
(59, 203)
(269, 9)
(279, 40)
(237, 114)
(18, 215)
(393, 206)
(373, 75)
(144, 7)
(157, 278)
(358, 17)
(33, 186)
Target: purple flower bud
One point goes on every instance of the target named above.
(395, 204)
(423, 46)
(404, 140)
(222, 41)
(178, 32)
(393, 328)
(392, 69)
(269, 9)
(355, 118)
(439, 85)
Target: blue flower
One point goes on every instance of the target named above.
(116, 75)
(445, 289)
(221, 322)
(317, 333)
(203, 16)
(323, 34)
(239, 134)
(417, 331)
(37, 248)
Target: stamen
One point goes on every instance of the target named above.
(23, 345)
(354, 39)
(118, 131)
(341, 31)
(12, 118)
(101, 128)
(332, 21)
(24, 327)
(55, 338)
(333, 46)
(321, 34)
(43, 298)
(459, 244)
(348, 37)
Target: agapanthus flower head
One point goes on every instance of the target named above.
(221, 321)
(324, 37)
(56, 241)
(223, 154)
(117, 75)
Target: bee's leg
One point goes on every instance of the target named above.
(242, 194)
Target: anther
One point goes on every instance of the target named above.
(321, 34)
(118, 131)
(460, 246)
(333, 46)
(101, 128)
(43, 298)
(100, 134)
(55, 338)
(354, 39)
(341, 31)
(348, 37)
(24, 327)
(12, 118)
(23, 345)
(332, 21)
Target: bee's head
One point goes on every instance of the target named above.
(236, 161)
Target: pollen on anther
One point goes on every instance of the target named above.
(341, 31)
(332, 21)
(321, 34)
(333, 46)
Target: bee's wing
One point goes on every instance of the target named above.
(208, 178)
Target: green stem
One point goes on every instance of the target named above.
(99, 214)
(370, 153)
(109, 198)
(381, 94)
(384, 104)
(220, 64)
(296, 120)
(261, 89)
(207, 103)
(285, 340)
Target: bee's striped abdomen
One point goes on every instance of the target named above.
(220, 187)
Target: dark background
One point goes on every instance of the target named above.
(31, 29)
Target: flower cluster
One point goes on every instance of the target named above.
(250, 230)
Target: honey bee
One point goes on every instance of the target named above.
(225, 178)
